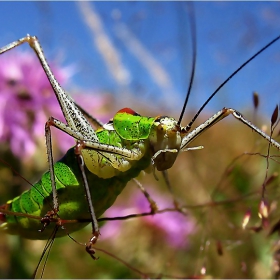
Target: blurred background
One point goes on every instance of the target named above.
(111, 55)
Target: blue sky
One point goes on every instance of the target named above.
(154, 37)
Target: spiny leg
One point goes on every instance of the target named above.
(95, 229)
(77, 124)
(263, 208)
(94, 121)
(46, 219)
(133, 154)
(53, 213)
(239, 117)
(218, 117)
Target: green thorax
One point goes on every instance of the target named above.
(132, 126)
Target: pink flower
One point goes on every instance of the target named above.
(27, 100)
(175, 226)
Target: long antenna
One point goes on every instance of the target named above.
(233, 74)
(193, 39)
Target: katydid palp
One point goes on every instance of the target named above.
(112, 157)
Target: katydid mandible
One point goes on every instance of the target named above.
(101, 163)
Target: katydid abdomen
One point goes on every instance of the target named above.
(72, 202)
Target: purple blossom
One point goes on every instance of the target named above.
(175, 225)
(27, 100)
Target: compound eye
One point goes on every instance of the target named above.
(160, 127)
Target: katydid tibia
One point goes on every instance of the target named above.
(101, 163)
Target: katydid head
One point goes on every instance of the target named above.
(165, 139)
(163, 133)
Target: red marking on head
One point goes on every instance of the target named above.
(128, 111)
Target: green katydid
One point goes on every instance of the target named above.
(108, 158)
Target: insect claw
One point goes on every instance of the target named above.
(91, 251)
(154, 207)
(89, 247)
(45, 221)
